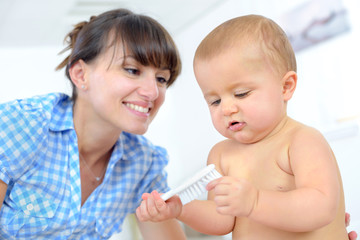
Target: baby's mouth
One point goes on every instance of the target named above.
(236, 126)
(232, 123)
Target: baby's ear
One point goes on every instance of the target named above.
(289, 84)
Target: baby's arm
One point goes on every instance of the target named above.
(200, 215)
(165, 230)
(311, 205)
(203, 217)
(315, 200)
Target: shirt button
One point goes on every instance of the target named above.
(30, 207)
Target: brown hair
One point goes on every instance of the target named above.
(146, 39)
(252, 29)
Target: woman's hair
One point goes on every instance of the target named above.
(253, 29)
(141, 36)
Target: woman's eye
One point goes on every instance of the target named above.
(162, 80)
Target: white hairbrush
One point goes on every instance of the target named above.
(194, 186)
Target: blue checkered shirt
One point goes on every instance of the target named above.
(39, 161)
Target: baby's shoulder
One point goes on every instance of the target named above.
(300, 130)
(305, 135)
(224, 148)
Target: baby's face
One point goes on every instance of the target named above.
(243, 93)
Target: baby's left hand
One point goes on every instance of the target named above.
(233, 196)
(154, 208)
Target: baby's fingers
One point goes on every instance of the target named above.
(155, 205)
(211, 185)
(142, 213)
(139, 214)
(145, 196)
(152, 209)
(158, 201)
(147, 210)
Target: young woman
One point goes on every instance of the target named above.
(75, 167)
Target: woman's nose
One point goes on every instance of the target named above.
(149, 88)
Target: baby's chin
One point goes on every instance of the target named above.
(243, 138)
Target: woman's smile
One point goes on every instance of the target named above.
(143, 111)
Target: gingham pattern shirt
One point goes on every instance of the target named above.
(39, 161)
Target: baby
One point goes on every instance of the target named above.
(281, 179)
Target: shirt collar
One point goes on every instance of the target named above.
(62, 115)
(128, 147)
(119, 150)
(62, 120)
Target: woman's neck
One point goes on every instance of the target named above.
(95, 139)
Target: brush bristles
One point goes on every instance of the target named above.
(197, 188)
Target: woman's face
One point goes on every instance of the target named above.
(121, 93)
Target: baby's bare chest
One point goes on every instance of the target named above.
(266, 167)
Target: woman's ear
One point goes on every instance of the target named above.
(289, 84)
(77, 74)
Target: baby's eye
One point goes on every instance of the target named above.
(242, 95)
(215, 103)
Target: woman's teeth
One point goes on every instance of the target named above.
(137, 108)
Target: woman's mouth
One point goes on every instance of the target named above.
(137, 108)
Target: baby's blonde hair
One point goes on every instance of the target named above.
(253, 29)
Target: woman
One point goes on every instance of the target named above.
(73, 168)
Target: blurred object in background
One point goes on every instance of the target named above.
(315, 21)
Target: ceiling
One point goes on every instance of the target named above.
(29, 23)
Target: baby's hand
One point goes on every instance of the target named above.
(233, 196)
(154, 208)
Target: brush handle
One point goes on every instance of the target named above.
(168, 194)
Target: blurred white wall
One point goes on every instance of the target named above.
(327, 95)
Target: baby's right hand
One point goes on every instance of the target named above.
(154, 208)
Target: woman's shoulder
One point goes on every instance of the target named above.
(25, 122)
(33, 105)
(24, 127)
(32, 114)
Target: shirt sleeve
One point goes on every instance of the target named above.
(160, 161)
(22, 128)
(155, 176)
